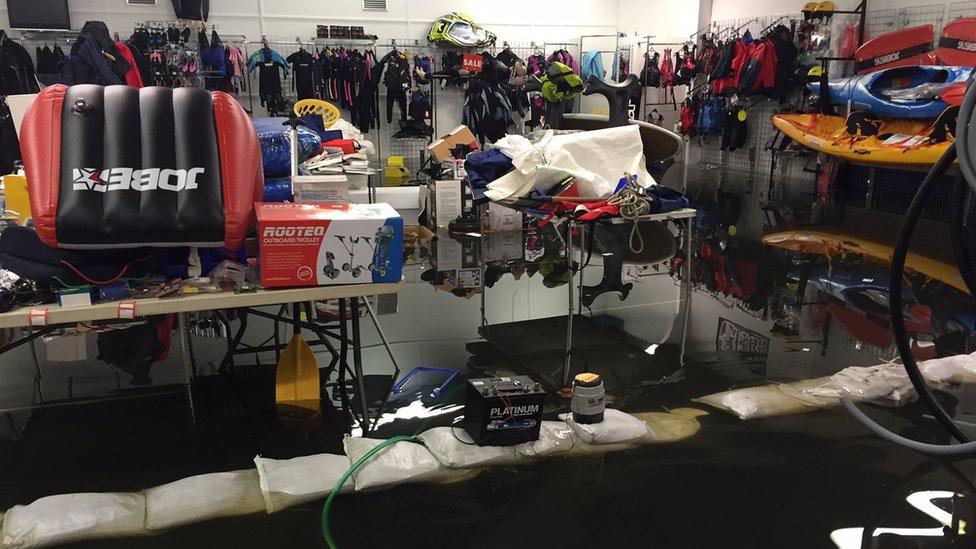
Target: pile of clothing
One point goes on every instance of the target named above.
(96, 58)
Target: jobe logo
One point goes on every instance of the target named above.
(285, 232)
(149, 179)
(967, 46)
(887, 58)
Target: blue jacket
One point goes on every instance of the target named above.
(592, 64)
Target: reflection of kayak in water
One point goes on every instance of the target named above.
(832, 242)
(865, 289)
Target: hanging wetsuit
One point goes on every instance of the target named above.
(270, 65)
(367, 112)
(196, 10)
(396, 71)
(302, 65)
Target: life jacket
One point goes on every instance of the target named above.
(667, 70)
(651, 75)
(687, 118)
(711, 116)
(901, 48)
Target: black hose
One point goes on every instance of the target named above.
(959, 201)
(898, 326)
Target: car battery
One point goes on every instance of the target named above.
(503, 411)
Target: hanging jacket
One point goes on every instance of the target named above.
(758, 72)
(728, 85)
(16, 68)
(132, 76)
(195, 10)
(723, 67)
(536, 64)
(786, 58)
(94, 59)
(687, 118)
(592, 66)
(266, 54)
(735, 131)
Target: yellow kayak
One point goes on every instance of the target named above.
(831, 242)
(896, 143)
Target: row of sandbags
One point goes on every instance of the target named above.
(885, 384)
(442, 454)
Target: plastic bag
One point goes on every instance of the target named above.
(74, 517)
(616, 428)
(275, 143)
(399, 463)
(670, 426)
(930, 90)
(598, 159)
(555, 438)
(454, 448)
(203, 497)
(289, 482)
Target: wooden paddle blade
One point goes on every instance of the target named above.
(297, 376)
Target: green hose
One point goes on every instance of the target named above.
(326, 531)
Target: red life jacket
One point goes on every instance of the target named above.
(667, 69)
(687, 119)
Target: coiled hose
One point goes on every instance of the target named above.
(962, 247)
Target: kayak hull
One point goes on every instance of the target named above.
(865, 92)
(827, 134)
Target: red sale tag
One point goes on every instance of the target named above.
(472, 63)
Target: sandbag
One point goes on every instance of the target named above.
(671, 426)
(275, 141)
(289, 482)
(399, 463)
(757, 402)
(555, 438)
(203, 497)
(598, 159)
(616, 428)
(454, 448)
(69, 518)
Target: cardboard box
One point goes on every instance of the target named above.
(325, 244)
(461, 135)
(443, 202)
(333, 189)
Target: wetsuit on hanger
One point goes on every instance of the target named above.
(302, 65)
(396, 77)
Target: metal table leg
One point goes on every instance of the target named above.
(186, 356)
(357, 363)
(687, 287)
(569, 320)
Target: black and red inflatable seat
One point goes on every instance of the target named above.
(901, 48)
(120, 167)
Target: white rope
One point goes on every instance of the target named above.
(633, 204)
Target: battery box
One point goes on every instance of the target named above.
(321, 244)
(503, 411)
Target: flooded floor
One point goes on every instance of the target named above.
(810, 480)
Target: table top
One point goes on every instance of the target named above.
(114, 310)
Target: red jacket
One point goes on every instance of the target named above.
(132, 76)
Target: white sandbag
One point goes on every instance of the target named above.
(757, 402)
(289, 482)
(203, 497)
(597, 159)
(616, 428)
(68, 518)
(951, 369)
(454, 448)
(555, 438)
(884, 384)
(402, 462)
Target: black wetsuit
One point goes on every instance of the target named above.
(303, 65)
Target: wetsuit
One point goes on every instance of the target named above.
(397, 80)
(302, 64)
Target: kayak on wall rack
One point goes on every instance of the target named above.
(866, 139)
(901, 92)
